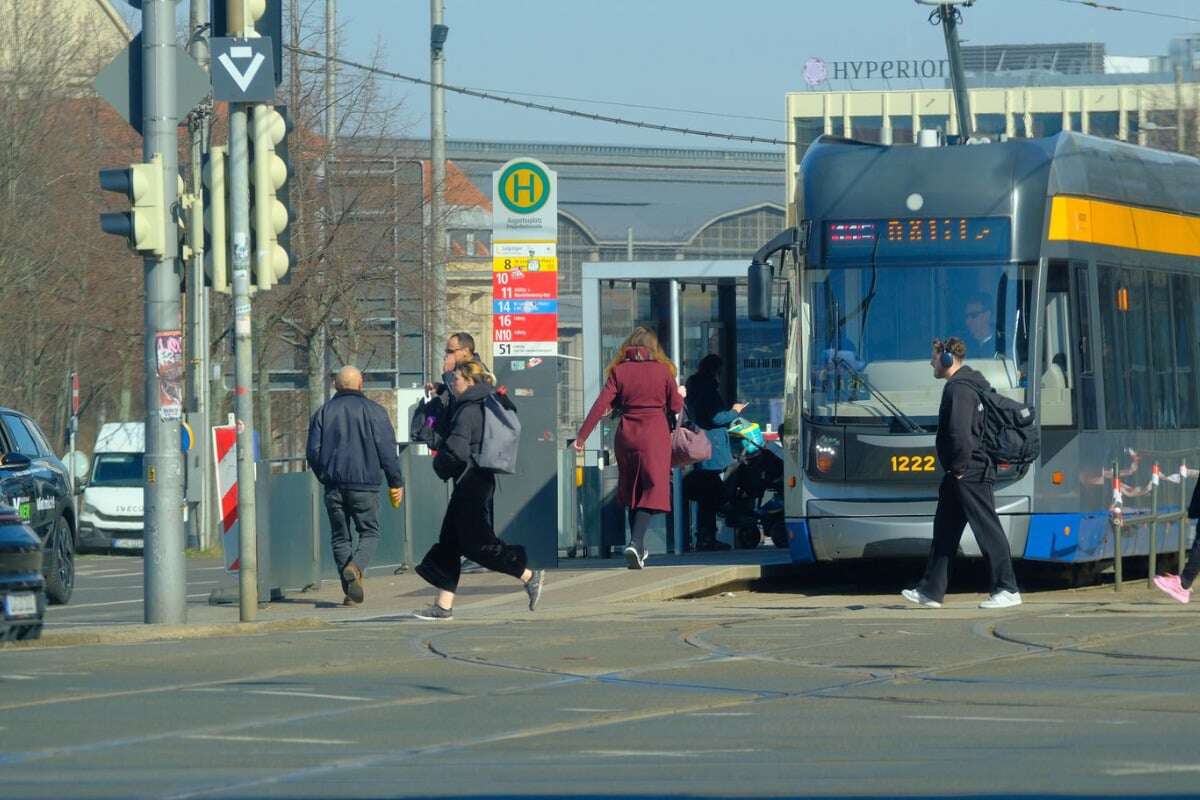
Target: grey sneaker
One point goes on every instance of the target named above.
(434, 613)
(634, 559)
(534, 587)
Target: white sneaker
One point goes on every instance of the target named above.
(1002, 599)
(634, 559)
(915, 596)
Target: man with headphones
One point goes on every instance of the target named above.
(965, 495)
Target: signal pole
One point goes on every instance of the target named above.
(197, 296)
(243, 400)
(437, 173)
(164, 580)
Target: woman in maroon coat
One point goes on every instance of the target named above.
(640, 385)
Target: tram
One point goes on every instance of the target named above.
(1071, 268)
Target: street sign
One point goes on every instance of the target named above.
(525, 202)
(270, 25)
(524, 260)
(120, 83)
(242, 70)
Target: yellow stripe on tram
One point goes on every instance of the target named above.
(1079, 219)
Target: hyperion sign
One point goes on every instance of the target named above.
(524, 260)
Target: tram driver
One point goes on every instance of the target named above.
(981, 325)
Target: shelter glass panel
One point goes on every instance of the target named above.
(868, 129)
(991, 124)
(1047, 123)
(1104, 123)
(902, 130)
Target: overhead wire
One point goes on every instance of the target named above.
(1109, 7)
(509, 100)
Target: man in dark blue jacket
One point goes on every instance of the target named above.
(351, 444)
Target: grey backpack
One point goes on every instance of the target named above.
(501, 434)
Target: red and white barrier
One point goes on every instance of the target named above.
(225, 447)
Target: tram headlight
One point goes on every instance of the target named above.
(825, 453)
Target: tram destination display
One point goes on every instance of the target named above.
(908, 238)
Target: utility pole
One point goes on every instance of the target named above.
(1180, 134)
(243, 400)
(437, 199)
(197, 296)
(164, 581)
(318, 350)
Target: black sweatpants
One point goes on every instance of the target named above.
(467, 531)
(346, 506)
(961, 502)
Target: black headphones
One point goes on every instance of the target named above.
(945, 357)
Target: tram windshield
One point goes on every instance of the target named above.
(870, 329)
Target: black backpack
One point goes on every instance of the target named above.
(1010, 435)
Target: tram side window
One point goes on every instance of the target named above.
(1085, 344)
(1125, 338)
(1055, 393)
(1162, 352)
(1112, 348)
(1185, 310)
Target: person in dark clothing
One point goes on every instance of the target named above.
(460, 348)
(965, 495)
(707, 409)
(640, 384)
(467, 527)
(351, 443)
(1179, 587)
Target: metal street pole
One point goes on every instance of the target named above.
(197, 296)
(243, 400)
(962, 100)
(437, 199)
(1180, 133)
(164, 580)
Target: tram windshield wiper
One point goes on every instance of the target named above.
(905, 420)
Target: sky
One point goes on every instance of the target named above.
(736, 59)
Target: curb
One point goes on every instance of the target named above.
(138, 634)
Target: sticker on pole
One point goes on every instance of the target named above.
(243, 70)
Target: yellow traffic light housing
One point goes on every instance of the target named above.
(216, 221)
(269, 217)
(144, 225)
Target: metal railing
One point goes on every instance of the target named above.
(1157, 516)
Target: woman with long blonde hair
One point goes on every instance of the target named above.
(640, 385)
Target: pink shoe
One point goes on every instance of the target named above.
(1170, 584)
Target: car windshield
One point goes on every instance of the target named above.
(870, 330)
(117, 469)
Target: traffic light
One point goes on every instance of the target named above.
(268, 216)
(144, 225)
(216, 221)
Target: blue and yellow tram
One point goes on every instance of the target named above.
(1070, 267)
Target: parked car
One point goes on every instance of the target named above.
(110, 514)
(22, 588)
(34, 482)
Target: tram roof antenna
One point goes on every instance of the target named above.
(949, 17)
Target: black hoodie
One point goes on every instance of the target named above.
(464, 433)
(960, 425)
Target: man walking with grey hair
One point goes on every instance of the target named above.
(351, 447)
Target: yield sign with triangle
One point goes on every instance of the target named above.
(242, 70)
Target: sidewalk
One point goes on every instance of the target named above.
(576, 588)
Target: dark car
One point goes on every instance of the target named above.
(34, 482)
(22, 589)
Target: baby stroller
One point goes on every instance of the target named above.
(757, 469)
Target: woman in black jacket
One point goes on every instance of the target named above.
(467, 526)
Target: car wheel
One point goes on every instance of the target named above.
(59, 565)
